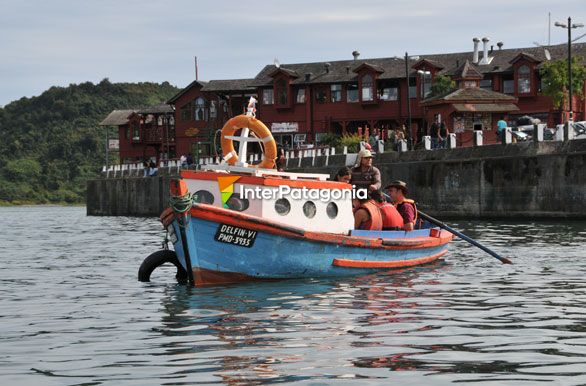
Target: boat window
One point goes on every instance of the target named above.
(332, 210)
(282, 206)
(309, 209)
(237, 203)
(203, 197)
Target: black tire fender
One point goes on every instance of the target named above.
(155, 260)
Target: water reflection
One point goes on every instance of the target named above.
(72, 312)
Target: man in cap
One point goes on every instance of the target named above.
(364, 175)
(406, 207)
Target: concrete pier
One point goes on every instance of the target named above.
(527, 179)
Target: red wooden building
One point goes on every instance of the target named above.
(302, 101)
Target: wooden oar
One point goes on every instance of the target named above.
(440, 224)
(432, 220)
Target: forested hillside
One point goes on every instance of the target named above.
(51, 144)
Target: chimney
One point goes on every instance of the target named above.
(355, 54)
(327, 67)
(307, 76)
(500, 45)
(475, 55)
(491, 49)
(457, 63)
(485, 58)
(347, 69)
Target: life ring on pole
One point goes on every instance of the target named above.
(260, 130)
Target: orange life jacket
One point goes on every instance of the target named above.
(376, 220)
(391, 217)
(408, 201)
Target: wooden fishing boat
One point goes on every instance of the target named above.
(232, 222)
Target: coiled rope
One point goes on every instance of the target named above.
(181, 204)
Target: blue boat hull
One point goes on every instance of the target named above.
(216, 249)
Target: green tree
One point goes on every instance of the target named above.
(554, 76)
(51, 144)
(442, 84)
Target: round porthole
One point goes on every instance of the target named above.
(309, 209)
(332, 210)
(203, 197)
(238, 204)
(282, 206)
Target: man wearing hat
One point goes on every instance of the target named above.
(406, 207)
(364, 175)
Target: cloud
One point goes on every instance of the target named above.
(60, 42)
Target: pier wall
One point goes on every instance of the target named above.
(546, 179)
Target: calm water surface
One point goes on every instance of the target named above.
(73, 313)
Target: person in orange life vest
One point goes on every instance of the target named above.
(406, 207)
(367, 216)
(392, 219)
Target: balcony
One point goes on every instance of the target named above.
(158, 134)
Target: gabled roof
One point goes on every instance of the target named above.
(394, 68)
(470, 95)
(427, 63)
(373, 67)
(285, 71)
(117, 118)
(182, 92)
(526, 56)
(161, 108)
(230, 85)
(467, 71)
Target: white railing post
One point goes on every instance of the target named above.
(427, 142)
(477, 137)
(452, 140)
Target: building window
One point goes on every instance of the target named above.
(336, 92)
(213, 110)
(186, 112)
(523, 80)
(282, 94)
(388, 90)
(320, 95)
(352, 92)
(426, 84)
(508, 85)
(486, 84)
(127, 132)
(412, 88)
(301, 95)
(367, 86)
(200, 109)
(135, 131)
(267, 96)
(470, 84)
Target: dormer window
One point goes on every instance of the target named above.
(267, 96)
(200, 110)
(524, 80)
(352, 93)
(282, 92)
(336, 92)
(367, 88)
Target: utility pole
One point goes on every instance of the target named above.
(408, 99)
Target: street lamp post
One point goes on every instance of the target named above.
(569, 27)
(408, 97)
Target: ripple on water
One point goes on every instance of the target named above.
(73, 313)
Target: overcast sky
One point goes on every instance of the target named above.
(57, 42)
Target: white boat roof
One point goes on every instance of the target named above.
(257, 172)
